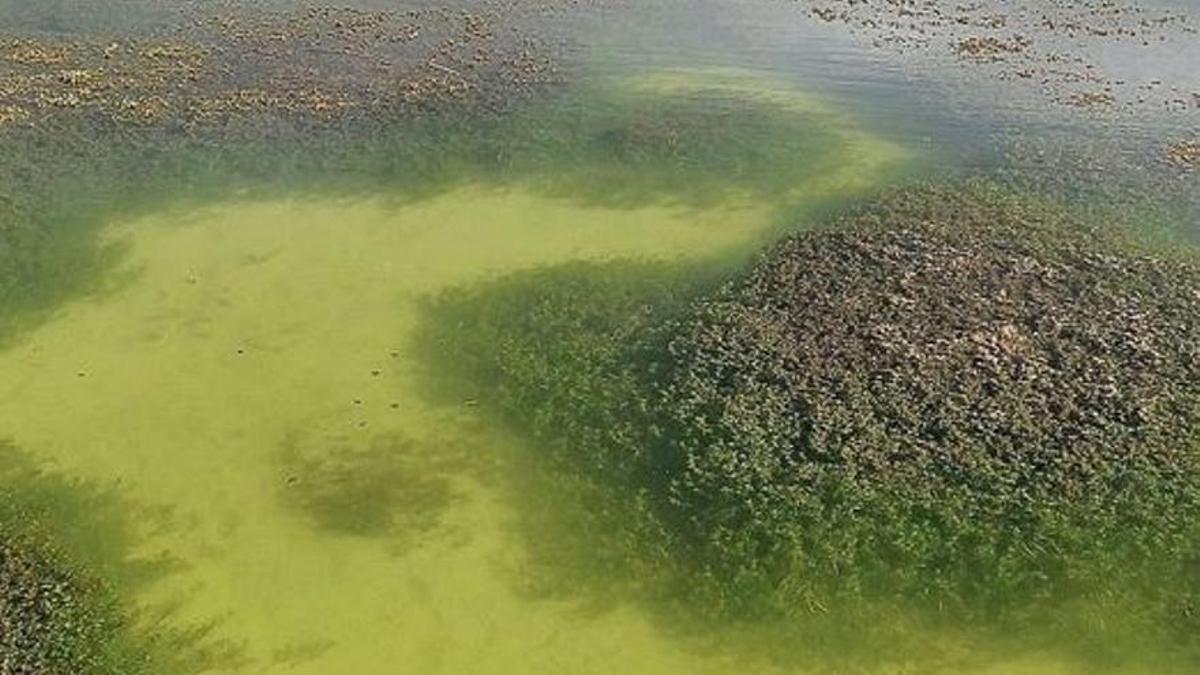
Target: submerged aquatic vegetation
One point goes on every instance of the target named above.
(48, 622)
(11, 113)
(319, 64)
(387, 487)
(66, 573)
(990, 48)
(960, 408)
(619, 147)
(94, 125)
(557, 349)
(562, 353)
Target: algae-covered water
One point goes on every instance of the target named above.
(254, 376)
(250, 369)
(217, 384)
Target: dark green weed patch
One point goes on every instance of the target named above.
(67, 575)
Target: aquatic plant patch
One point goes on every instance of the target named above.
(557, 348)
(567, 354)
(1047, 45)
(66, 572)
(1184, 154)
(217, 63)
(48, 621)
(94, 125)
(966, 390)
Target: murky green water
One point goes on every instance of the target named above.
(240, 369)
(251, 371)
(258, 356)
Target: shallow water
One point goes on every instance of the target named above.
(249, 365)
(244, 327)
(251, 344)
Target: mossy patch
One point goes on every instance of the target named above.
(957, 399)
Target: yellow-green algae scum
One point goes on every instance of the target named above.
(254, 357)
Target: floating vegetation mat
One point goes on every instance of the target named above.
(1184, 153)
(218, 63)
(959, 412)
(1053, 46)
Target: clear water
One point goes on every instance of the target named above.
(246, 369)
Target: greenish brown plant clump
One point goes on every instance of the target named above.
(1184, 153)
(48, 619)
(958, 395)
(222, 64)
(69, 579)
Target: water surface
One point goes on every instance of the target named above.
(247, 363)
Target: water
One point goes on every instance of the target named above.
(249, 345)
(238, 360)
(230, 343)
